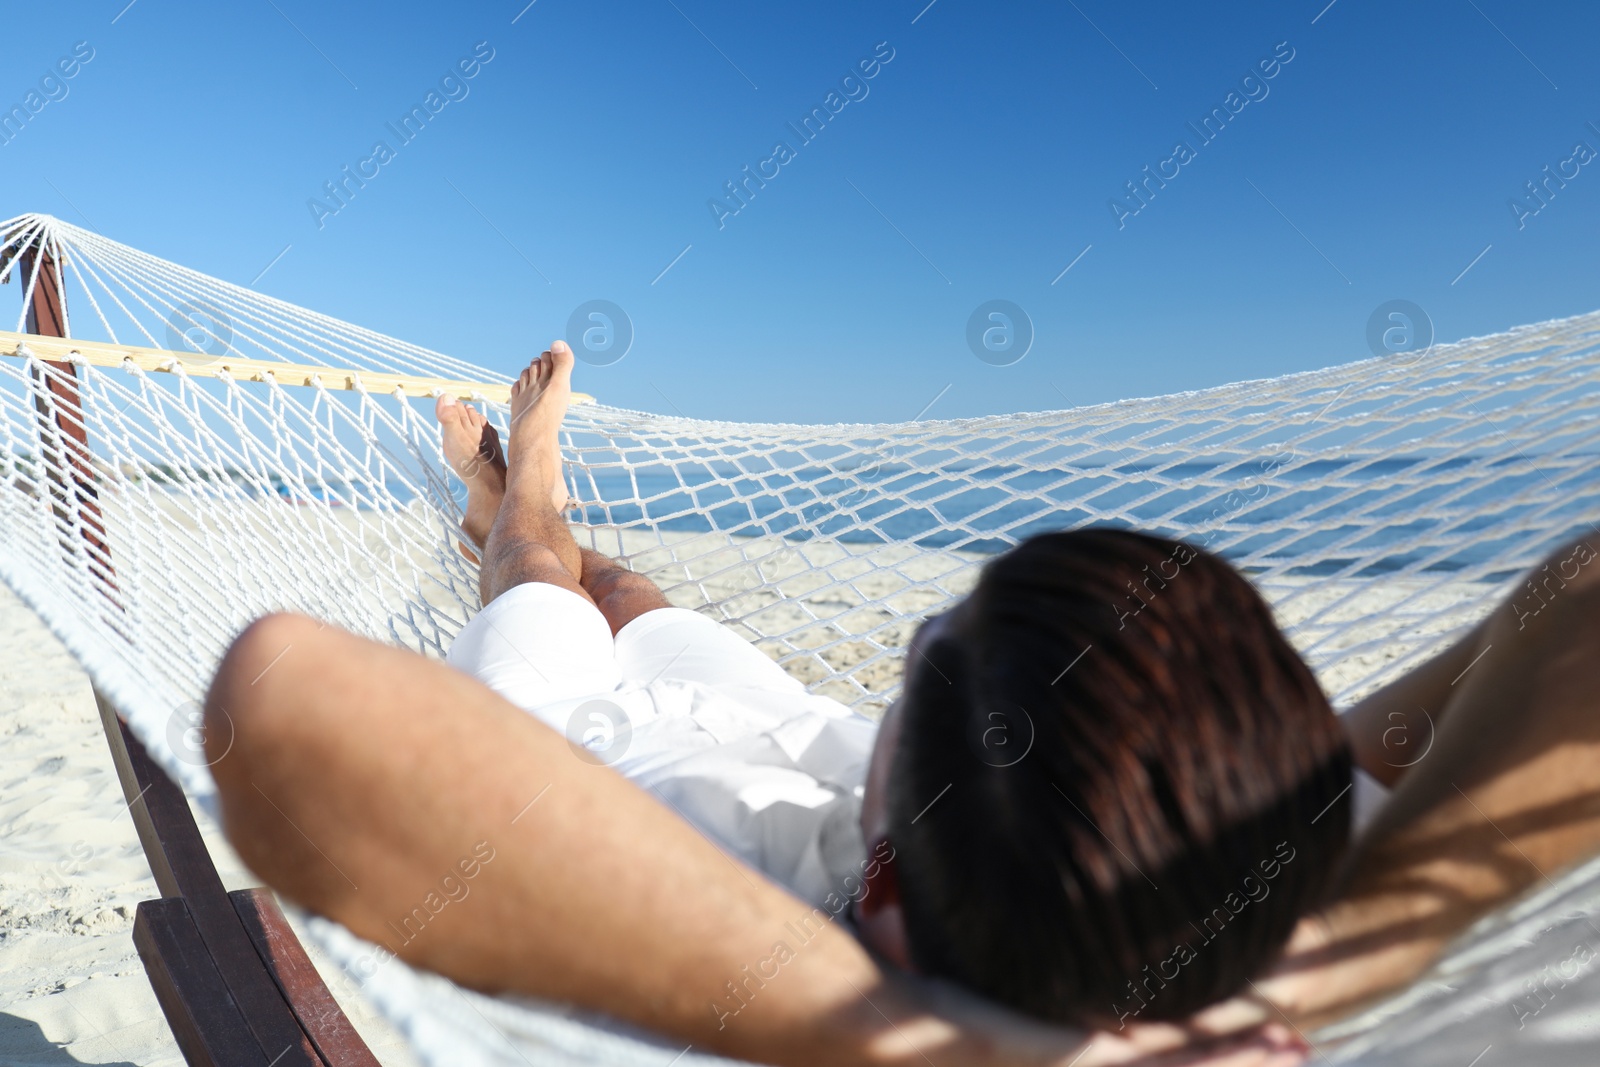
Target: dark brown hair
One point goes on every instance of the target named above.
(1142, 782)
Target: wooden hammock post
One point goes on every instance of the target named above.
(70, 476)
(233, 981)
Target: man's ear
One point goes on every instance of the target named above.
(882, 880)
(879, 917)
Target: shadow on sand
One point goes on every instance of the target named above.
(23, 1044)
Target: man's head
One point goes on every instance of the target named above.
(1109, 785)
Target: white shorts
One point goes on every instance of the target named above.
(708, 724)
(539, 645)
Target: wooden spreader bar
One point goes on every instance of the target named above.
(198, 365)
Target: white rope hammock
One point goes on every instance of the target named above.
(1380, 505)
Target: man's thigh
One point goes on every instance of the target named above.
(676, 644)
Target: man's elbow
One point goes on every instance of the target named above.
(239, 706)
(255, 740)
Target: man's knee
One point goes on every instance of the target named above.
(620, 581)
(622, 596)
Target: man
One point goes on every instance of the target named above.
(1193, 756)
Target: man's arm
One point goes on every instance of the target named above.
(1390, 729)
(386, 778)
(1507, 797)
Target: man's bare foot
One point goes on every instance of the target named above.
(539, 399)
(472, 448)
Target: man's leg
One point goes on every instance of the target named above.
(529, 540)
(515, 521)
(621, 595)
(472, 449)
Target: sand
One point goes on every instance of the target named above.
(72, 989)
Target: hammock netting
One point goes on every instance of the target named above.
(1381, 506)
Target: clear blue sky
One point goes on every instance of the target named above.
(979, 164)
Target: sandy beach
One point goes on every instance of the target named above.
(72, 989)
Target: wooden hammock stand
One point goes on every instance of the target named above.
(234, 982)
